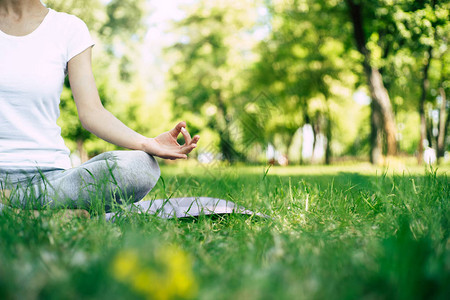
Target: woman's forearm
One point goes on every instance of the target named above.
(107, 127)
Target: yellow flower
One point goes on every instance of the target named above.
(173, 280)
(125, 265)
(146, 282)
(180, 276)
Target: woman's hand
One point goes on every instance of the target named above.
(166, 146)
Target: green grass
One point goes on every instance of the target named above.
(345, 232)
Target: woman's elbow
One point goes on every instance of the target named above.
(85, 121)
(88, 118)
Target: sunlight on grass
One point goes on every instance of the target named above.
(392, 168)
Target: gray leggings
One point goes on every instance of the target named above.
(112, 177)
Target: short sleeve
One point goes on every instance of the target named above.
(79, 38)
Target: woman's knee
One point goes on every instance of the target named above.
(139, 171)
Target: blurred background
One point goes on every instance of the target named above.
(285, 81)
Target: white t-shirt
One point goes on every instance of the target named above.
(32, 72)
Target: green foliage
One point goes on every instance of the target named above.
(305, 64)
(207, 77)
(419, 31)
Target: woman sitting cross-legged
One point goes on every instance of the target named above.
(38, 48)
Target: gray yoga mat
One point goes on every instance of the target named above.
(187, 207)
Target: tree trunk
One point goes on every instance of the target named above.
(381, 97)
(300, 150)
(316, 130)
(81, 151)
(382, 116)
(328, 144)
(447, 124)
(423, 124)
(307, 120)
(223, 127)
(376, 140)
(429, 132)
(443, 121)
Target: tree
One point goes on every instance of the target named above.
(302, 59)
(425, 32)
(413, 36)
(362, 14)
(209, 62)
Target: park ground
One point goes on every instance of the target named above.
(339, 232)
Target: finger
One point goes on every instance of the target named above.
(195, 139)
(176, 155)
(176, 131)
(186, 135)
(188, 148)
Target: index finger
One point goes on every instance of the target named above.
(186, 135)
(176, 130)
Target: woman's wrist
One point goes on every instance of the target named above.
(144, 144)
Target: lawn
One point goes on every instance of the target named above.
(339, 232)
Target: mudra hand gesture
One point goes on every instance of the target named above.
(166, 146)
